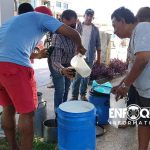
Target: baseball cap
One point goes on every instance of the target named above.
(44, 10)
(89, 12)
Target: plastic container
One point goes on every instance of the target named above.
(50, 131)
(100, 97)
(40, 116)
(102, 104)
(76, 126)
(79, 64)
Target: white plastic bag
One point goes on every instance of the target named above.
(117, 111)
(79, 64)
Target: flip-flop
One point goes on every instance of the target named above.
(100, 130)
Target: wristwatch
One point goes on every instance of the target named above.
(123, 85)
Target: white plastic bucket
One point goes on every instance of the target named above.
(79, 64)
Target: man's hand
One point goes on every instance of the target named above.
(40, 54)
(120, 91)
(114, 89)
(81, 50)
(68, 72)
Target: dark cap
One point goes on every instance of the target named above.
(89, 12)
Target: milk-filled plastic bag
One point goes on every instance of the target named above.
(117, 111)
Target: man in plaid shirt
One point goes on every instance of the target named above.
(64, 50)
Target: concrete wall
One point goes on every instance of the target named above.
(6, 10)
(105, 47)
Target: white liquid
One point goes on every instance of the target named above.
(76, 106)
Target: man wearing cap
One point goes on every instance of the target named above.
(18, 38)
(91, 41)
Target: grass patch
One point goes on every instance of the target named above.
(3, 144)
(38, 144)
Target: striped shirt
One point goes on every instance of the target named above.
(63, 52)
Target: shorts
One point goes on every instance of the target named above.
(18, 87)
(143, 104)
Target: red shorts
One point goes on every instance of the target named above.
(17, 87)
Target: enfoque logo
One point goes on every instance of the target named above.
(133, 113)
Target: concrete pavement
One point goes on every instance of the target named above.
(113, 139)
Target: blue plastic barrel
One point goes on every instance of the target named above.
(102, 104)
(76, 126)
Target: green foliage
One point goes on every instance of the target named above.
(3, 144)
(38, 144)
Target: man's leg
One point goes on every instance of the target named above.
(50, 68)
(20, 86)
(67, 85)
(143, 137)
(9, 126)
(144, 129)
(59, 85)
(83, 88)
(75, 87)
(84, 84)
(25, 126)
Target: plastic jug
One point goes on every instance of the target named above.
(79, 64)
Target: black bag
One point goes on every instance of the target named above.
(50, 50)
(95, 93)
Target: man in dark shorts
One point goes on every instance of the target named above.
(125, 26)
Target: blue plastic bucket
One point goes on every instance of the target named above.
(102, 104)
(76, 126)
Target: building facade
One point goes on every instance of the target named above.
(57, 6)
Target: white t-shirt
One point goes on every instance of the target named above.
(140, 42)
(86, 35)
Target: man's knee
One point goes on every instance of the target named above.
(26, 116)
(8, 117)
(25, 123)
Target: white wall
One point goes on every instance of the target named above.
(6, 10)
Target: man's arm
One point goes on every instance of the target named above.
(74, 35)
(56, 63)
(141, 60)
(39, 54)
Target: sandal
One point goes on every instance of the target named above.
(100, 130)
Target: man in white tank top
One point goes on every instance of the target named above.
(91, 40)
